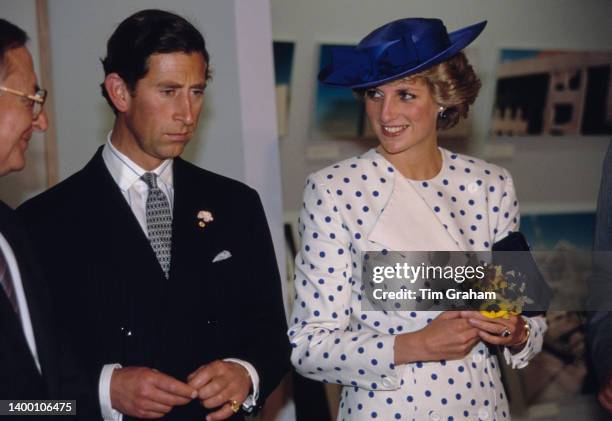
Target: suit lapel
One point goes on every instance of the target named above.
(8, 227)
(116, 220)
(189, 240)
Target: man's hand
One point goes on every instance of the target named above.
(217, 384)
(605, 395)
(146, 393)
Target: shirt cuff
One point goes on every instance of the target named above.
(251, 401)
(108, 413)
(521, 358)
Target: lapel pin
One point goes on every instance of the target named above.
(204, 217)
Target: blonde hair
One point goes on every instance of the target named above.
(453, 84)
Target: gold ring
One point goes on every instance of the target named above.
(234, 405)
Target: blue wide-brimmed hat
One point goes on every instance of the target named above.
(395, 50)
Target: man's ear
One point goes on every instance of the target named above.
(118, 92)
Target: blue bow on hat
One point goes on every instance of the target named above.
(396, 50)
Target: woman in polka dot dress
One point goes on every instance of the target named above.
(407, 194)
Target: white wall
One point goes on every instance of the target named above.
(553, 174)
(79, 31)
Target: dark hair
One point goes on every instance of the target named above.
(146, 33)
(453, 84)
(11, 36)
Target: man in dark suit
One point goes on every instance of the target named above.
(599, 327)
(165, 272)
(34, 363)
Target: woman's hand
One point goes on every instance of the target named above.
(447, 337)
(492, 330)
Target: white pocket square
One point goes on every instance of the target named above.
(222, 256)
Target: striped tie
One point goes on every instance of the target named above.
(159, 221)
(6, 281)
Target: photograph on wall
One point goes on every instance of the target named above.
(552, 93)
(283, 64)
(560, 372)
(339, 115)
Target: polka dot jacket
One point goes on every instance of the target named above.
(473, 204)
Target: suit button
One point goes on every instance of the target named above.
(125, 331)
(483, 414)
(477, 358)
(472, 187)
(387, 382)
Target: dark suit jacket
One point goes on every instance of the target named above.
(20, 379)
(117, 304)
(599, 327)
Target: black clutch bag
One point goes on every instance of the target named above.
(536, 288)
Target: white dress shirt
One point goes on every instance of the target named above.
(127, 175)
(24, 313)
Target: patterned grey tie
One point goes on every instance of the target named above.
(6, 280)
(159, 221)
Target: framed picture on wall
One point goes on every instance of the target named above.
(552, 93)
(283, 64)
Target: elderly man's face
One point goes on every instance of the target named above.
(16, 123)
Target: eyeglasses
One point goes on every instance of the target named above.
(35, 102)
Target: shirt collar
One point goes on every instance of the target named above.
(126, 172)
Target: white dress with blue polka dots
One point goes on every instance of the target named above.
(365, 204)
